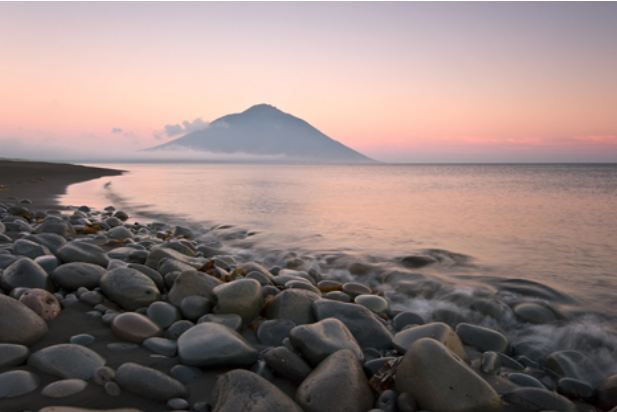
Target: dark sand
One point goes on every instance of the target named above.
(43, 182)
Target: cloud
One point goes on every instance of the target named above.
(116, 130)
(177, 129)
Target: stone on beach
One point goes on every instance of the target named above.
(148, 382)
(12, 354)
(535, 313)
(369, 331)
(163, 313)
(337, 384)
(441, 382)
(192, 283)
(294, 305)
(30, 249)
(80, 251)
(436, 330)
(212, 344)
(481, 338)
(134, 327)
(42, 303)
(129, 288)
(67, 360)
(64, 388)
(287, 364)
(241, 390)
(272, 332)
(18, 323)
(536, 399)
(25, 273)
(319, 340)
(241, 296)
(17, 383)
(74, 275)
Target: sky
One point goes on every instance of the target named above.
(401, 82)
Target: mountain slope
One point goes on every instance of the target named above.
(263, 130)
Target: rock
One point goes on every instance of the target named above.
(83, 339)
(186, 374)
(337, 384)
(134, 327)
(355, 289)
(490, 362)
(57, 226)
(148, 382)
(329, 285)
(176, 404)
(159, 254)
(194, 307)
(17, 383)
(30, 249)
(241, 390)
(151, 273)
(574, 388)
(374, 303)
(119, 233)
(361, 322)
(231, 320)
(522, 379)
(272, 332)
(192, 283)
(104, 374)
(51, 241)
(12, 355)
(534, 313)
(337, 295)
(572, 364)
(42, 303)
(212, 344)
(287, 364)
(435, 330)
(163, 313)
(387, 401)
(241, 296)
(404, 319)
(129, 288)
(536, 399)
(441, 382)
(18, 323)
(294, 305)
(72, 276)
(64, 388)
(79, 251)
(24, 273)
(178, 328)
(162, 346)
(607, 392)
(49, 263)
(483, 339)
(319, 340)
(67, 360)
(112, 389)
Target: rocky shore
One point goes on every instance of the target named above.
(102, 312)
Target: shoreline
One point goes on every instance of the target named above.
(43, 182)
(182, 322)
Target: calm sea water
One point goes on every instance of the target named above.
(556, 224)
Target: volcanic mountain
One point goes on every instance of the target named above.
(265, 131)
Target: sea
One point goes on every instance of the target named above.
(540, 232)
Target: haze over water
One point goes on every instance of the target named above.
(554, 224)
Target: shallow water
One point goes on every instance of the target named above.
(494, 235)
(554, 224)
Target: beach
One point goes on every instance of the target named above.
(104, 310)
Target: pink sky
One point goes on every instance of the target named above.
(401, 82)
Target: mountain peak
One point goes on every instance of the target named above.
(262, 108)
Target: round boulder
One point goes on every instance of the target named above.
(75, 275)
(67, 360)
(18, 323)
(129, 288)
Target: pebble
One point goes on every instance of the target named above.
(328, 285)
(404, 319)
(17, 383)
(195, 306)
(287, 364)
(121, 346)
(177, 404)
(231, 320)
(337, 384)
(319, 340)
(129, 288)
(440, 381)
(18, 323)
(42, 303)
(369, 331)
(191, 283)
(294, 305)
(186, 374)
(119, 233)
(354, 289)
(74, 275)
(83, 339)
(241, 296)
(213, 344)
(148, 382)
(178, 328)
(435, 330)
(571, 364)
(79, 251)
(104, 374)
(12, 354)
(30, 249)
(537, 399)
(24, 273)
(574, 388)
(161, 346)
(49, 263)
(607, 392)
(64, 388)
(525, 380)
(272, 332)
(374, 303)
(112, 389)
(240, 390)
(534, 313)
(481, 338)
(338, 295)
(67, 360)
(163, 313)
(134, 327)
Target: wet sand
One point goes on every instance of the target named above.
(43, 182)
